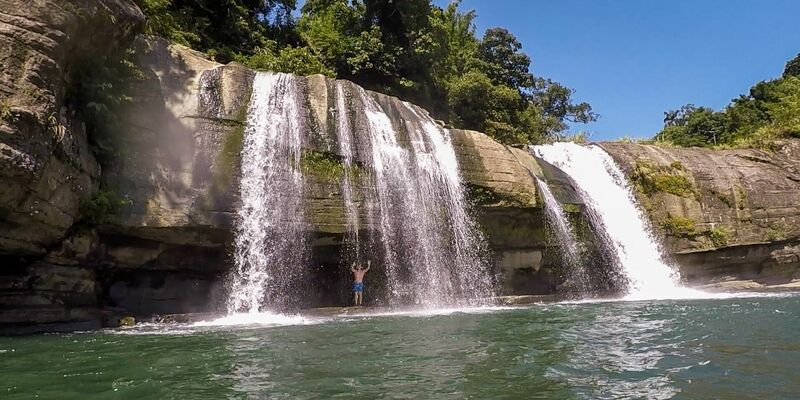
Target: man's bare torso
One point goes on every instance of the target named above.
(358, 275)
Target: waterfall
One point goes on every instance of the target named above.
(426, 243)
(344, 133)
(605, 191)
(432, 251)
(565, 238)
(269, 245)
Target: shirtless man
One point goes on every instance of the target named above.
(358, 283)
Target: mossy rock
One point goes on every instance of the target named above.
(679, 226)
(322, 165)
(649, 178)
(485, 196)
(229, 157)
(775, 233)
(741, 197)
(102, 207)
(719, 236)
(571, 208)
(328, 166)
(481, 195)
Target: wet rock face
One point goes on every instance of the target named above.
(724, 214)
(45, 163)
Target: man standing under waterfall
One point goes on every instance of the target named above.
(358, 283)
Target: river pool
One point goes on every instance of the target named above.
(732, 348)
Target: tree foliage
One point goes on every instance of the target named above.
(220, 27)
(792, 67)
(411, 49)
(770, 111)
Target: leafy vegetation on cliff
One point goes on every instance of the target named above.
(770, 111)
(411, 49)
(102, 207)
(98, 90)
(649, 178)
(222, 28)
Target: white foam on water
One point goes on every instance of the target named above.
(606, 192)
(259, 318)
(152, 328)
(429, 312)
(243, 321)
(698, 295)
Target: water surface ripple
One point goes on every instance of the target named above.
(717, 348)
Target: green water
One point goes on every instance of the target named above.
(731, 349)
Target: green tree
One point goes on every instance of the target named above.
(554, 103)
(411, 49)
(792, 67)
(222, 28)
(693, 126)
(296, 60)
(503, 61)
(770, 111)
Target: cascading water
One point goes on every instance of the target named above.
(270, 246)
(604, 189)
(431, 249)
(344, 133)
(565, 236)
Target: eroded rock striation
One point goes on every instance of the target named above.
(46, 166)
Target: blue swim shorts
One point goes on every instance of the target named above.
(358, 286)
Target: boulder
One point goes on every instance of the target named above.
(498, 176)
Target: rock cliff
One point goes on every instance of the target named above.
(724, 215)
(45, 164)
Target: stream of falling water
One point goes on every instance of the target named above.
(270, 245)
(604, 189)
(344, 132)
(432, 252)
(565, 237)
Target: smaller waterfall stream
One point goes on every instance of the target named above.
(344, 133)
(604, 189)
(565, 236)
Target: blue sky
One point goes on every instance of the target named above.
(634, 59)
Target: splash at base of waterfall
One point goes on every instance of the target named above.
(259, 319)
